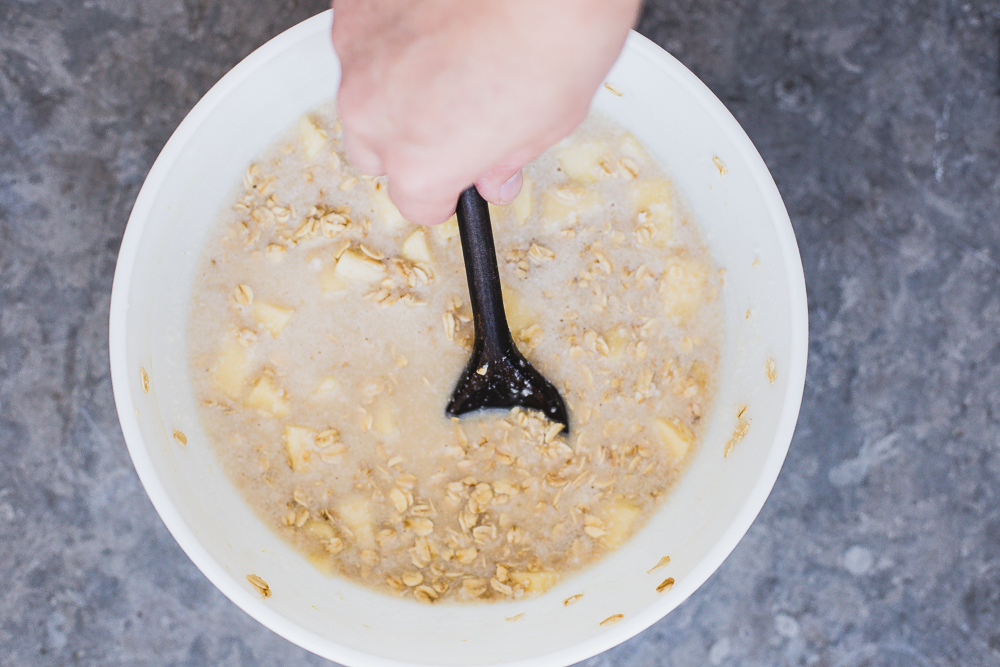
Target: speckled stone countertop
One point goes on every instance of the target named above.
(880, 545)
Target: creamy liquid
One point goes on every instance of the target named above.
(327, 334)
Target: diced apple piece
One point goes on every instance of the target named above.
(356, 267)
(650, 193)
(357, 516)
(274, 318)
(617, 339)
(518, 317)
(683, 287)
(328, 384)
(447, 230)
(299, 442)
(383, 420)
(390, 215)
(699, 373)
(522, 203)
(232, 367)
(660, 216)
(415, 248)
(322, 562)
(321, 530)
(631, 147)
(268, 397)
(565, 204)
(534, 582)
(677, 437)
(328, 280)
(313, 138)
(653, 202)
(618, 519)
(581, 160)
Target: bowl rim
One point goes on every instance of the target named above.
(122, 382)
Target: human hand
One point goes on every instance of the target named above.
(438, 94)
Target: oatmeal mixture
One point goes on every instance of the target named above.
(327, 334)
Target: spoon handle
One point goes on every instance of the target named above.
(492, 332)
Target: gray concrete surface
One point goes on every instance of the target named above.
(880, 121)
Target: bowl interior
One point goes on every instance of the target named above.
(732, 195)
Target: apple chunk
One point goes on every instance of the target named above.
(617, 340)
(535, 582)
(581, 160)
(299, 443)
(522, 203)
(383, 419)
(267, 396)
(518, 315)
(273, 318)
(415, 248)
(313, 139)
(653, 202)
(675, 436)
(565, 204)
(232, 367)
(356, 267)
(357, 516)
(385, 209)
(328, 280)
(328, 384)
(618, 520)
(683, 287)
(447, 230)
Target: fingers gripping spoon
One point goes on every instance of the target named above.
(497, 375)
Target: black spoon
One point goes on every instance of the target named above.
(497, 375)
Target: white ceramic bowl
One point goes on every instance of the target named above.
(699, 524)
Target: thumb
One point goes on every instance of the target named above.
(500, 185)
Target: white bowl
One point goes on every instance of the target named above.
(698, 525)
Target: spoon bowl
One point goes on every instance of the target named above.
(497, 375)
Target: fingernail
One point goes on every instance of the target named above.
(509, 190)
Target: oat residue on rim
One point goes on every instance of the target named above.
(770, 370)
(614, 90)
(662, 562)
(260, 585)
(739, 431)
